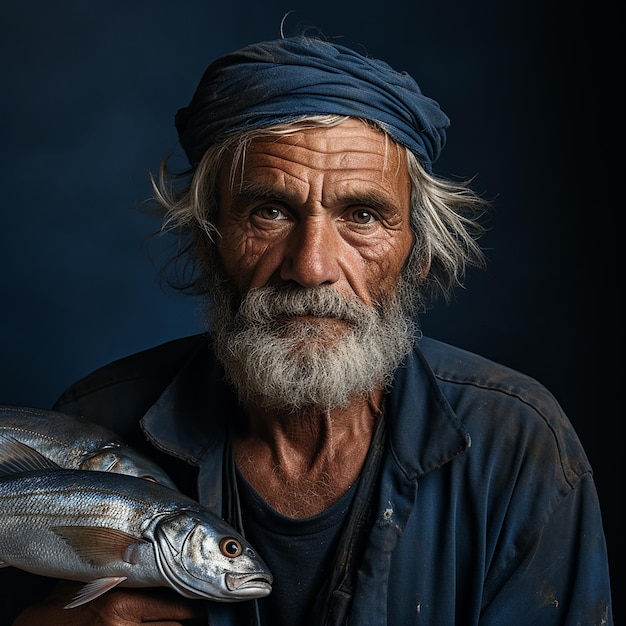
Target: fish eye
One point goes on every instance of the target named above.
(230, 547)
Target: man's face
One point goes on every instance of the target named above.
(326, 206)
(314, 235)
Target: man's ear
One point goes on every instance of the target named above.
(424, 268)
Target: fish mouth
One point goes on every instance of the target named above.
(249, 583)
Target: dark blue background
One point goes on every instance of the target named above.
(89, 93)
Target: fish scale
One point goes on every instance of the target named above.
(107, 529)
(71, 442)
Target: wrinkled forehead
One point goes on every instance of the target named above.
(351, 140)
(278, 81)
(349, 151)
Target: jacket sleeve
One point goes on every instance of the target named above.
(560, 576)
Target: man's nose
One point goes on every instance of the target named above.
(312, 254)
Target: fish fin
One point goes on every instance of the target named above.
(99, 545)
(16, 457)
(94, 589)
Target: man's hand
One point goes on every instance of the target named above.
(118, 607)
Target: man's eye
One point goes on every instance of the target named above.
(363, 217)
(270, 213)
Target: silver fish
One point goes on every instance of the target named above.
(112, 529)
(70, 442)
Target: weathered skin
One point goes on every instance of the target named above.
(112, 529)
(72, 443)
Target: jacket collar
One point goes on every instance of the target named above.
(424, 431)
(185, 419)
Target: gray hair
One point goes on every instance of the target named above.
(444, 213)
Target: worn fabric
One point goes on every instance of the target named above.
(278, 81)
(484, 506)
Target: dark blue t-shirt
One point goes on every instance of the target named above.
(299, 552)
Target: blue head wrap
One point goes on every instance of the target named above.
(278, 81)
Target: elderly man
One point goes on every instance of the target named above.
(385, 478)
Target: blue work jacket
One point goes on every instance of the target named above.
(484, 512)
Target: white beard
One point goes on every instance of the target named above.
(291, 348)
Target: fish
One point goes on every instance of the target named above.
(107, 529)
(70, 442)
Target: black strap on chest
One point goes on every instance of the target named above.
(333, 603)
